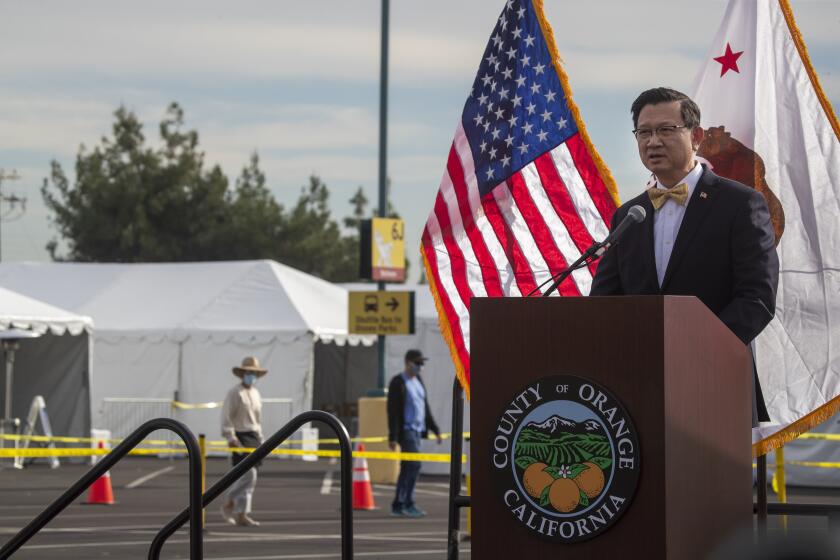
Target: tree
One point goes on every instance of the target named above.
(132, 203)
(359, 202)
(135, 203)
(256, 221)
(312, 241)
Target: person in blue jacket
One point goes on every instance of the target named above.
(409, 420)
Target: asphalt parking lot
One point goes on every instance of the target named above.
(296, 503)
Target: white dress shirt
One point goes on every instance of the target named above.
(667, 221)
(241, 411)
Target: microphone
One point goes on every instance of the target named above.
(635, 215)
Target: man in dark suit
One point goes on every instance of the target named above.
(704, 236)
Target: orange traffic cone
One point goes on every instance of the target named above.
(100, 492)
(362, 490)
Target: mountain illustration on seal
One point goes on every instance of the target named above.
(555, 423)
(563, 464)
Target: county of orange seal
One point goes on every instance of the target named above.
(565, 458)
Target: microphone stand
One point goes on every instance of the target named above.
(635, 214)
(581, 262)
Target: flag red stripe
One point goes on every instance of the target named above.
(540, 232)
(558, 193)
(451, 317)
(591, 178)
(492, 283)
(456, 257)
(521, 268)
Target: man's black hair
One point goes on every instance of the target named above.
(688, 108)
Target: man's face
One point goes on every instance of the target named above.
(669, 154)
(413, 368)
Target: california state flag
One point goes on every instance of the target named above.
(770, 126)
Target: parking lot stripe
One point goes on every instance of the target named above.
(245, 538)
(326, 484)
(148, 477)
(400, 553)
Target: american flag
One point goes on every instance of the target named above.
(524, 192)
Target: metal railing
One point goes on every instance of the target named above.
(456, 499)
(261, 452)
(105, 464)
(762, 508)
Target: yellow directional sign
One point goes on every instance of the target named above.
(388, 249)
(382, 247)
(381, 313)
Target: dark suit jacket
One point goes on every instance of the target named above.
(396, 409)
(724, 255)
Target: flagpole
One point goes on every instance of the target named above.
(383, 160)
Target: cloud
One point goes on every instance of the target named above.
(48, 123)
(298, 82)
(632, 70)
(220, 44)
(612, 44)
(297, 128)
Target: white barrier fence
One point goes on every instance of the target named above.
(121, 416)
(124, 415)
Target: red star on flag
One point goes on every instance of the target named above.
(729, 60)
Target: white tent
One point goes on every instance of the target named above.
(165, 330)
(55, 365)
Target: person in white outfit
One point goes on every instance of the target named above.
(241, 428)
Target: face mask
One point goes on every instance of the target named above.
(415, 368)
(249, 379)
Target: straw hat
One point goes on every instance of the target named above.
(249, 365)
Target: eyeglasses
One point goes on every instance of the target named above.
(663, 132)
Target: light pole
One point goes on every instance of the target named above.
(383, 161)
(12, 200)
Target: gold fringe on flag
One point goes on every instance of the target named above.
(806, 60)
(603, 170)
(445, 329)
(794, 430)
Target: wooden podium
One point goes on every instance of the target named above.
(684, 380)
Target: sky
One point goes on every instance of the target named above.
(298, 82)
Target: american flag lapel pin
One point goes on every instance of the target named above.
(703, 194)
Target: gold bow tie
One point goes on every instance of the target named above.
(678, 194)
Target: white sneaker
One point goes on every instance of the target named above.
(227, 513)
(244, 521)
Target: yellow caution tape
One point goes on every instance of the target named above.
(87, 452)
(820, 464)
(77, 452)
(195, 406)
(66, 439)
(818, 435)
(46, 439)
(377, 439)
(387, 455)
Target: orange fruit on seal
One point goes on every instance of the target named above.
(536, 479)
(590, 481)
(564, 495)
